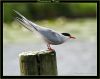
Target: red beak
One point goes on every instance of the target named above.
(72, 37)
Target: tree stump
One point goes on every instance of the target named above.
(38, 63)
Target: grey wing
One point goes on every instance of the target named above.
(52, 36)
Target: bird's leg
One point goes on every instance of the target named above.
(49, 48)
(48, 45)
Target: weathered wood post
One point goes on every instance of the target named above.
(38, 63)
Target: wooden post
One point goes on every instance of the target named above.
(38, 63)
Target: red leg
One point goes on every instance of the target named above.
(49, 48)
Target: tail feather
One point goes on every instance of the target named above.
(26, 23)
(19, 14)
(23, 23)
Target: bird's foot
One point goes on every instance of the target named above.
(50, 49)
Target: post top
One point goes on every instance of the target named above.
(37, 52)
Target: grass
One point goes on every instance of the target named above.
(83, 29)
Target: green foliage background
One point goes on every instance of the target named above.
(40, 11)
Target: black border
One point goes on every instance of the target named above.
(1, 39)
(53, 77)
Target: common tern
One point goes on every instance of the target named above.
(50, 36)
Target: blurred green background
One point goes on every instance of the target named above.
(40, 11)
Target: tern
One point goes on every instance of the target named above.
(50, 36)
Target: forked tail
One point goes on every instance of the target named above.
(26, 23)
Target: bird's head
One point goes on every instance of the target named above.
(67, 34)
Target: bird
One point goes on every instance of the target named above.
(51, 37)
